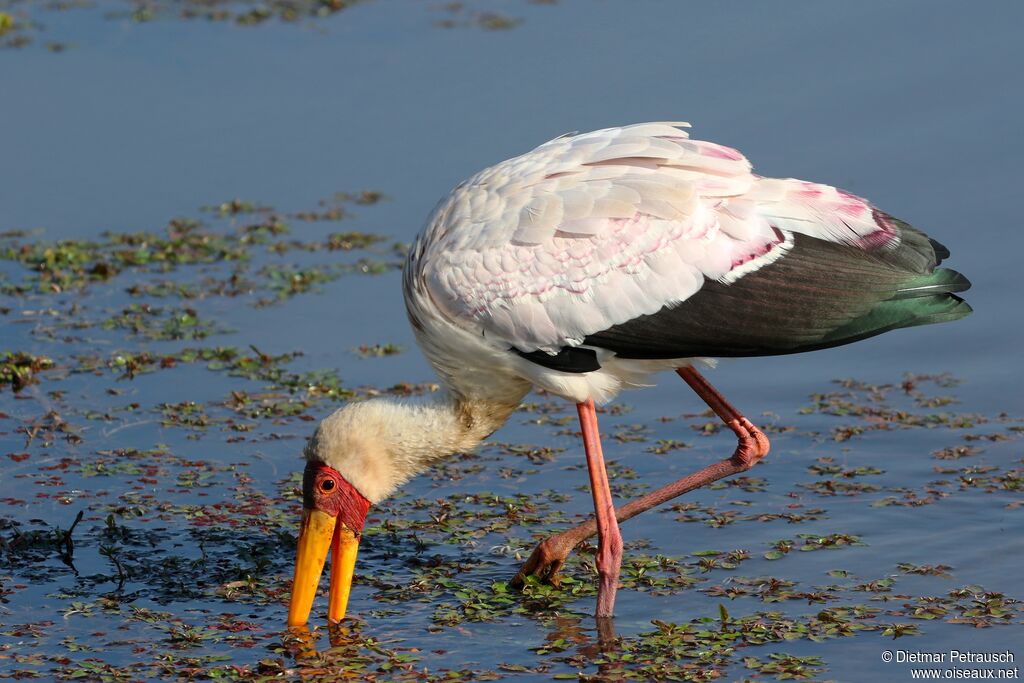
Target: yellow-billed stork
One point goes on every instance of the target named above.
(584, 266)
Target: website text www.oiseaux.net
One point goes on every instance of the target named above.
(955, 664)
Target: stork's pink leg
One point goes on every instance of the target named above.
(549, 556)
(609, 540)
(753, 444)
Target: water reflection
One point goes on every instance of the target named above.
(300, 643)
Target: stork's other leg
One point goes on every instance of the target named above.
(753, 444)
(548, 557)
(609, 540)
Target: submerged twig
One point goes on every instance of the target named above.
(67, 556)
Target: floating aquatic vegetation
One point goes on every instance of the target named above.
(702, 649)
(810, 542)
(19, 369)
(158, 323)
(956, 452)
(378, 350)
(716, 517)
(461, 16)
(21, 22)
(787, 667)
(924, 569)
(666, 446)
(17, 29)
(182, 453)
(62, 265)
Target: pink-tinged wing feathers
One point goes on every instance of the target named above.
(824, 212)
(590, 231)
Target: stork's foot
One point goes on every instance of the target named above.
(752, 444)
(548, 557)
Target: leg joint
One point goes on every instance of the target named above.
(752, 448)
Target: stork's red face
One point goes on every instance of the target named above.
(333, 516)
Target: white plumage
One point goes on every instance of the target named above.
(590, 231)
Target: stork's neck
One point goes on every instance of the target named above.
(441, 426)
(378, 445)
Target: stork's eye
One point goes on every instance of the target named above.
(327, 485)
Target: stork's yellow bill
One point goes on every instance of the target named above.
(332, 521)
